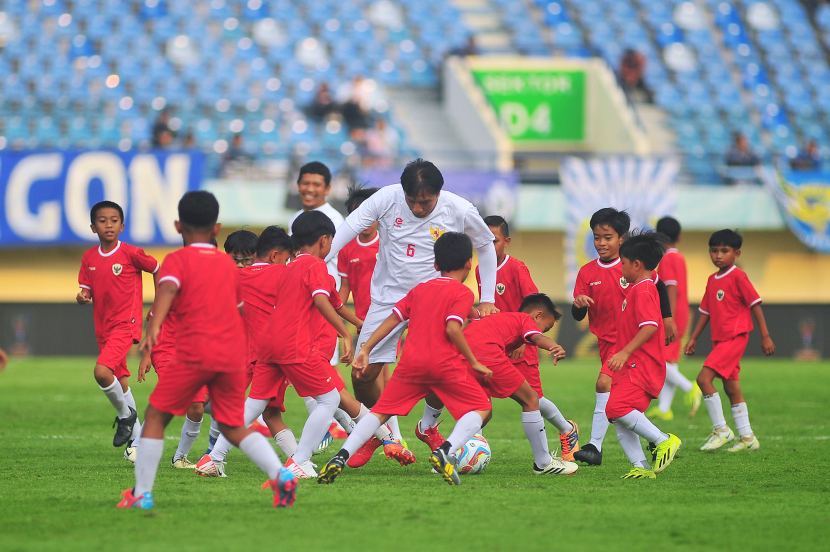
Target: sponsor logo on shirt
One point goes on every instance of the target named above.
(623, 283)
(117, 268)
(625, 302)
(436, 232)
(398, 222)
(354, 260)
(500, 288)
(92, 268)
(720, 295)
(595, 283)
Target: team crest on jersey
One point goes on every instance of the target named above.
(436, 232)
(117, 268)
(625, 302)
(623, 283)
(500, 288)
(720, 295)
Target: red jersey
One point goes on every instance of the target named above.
(357, 262)
(646, 367)
(428, 354)
(258, 284)
(114, 281)
(327, 336)
(209, 330)
(289, 334)
(727, 301)
(672, 271)
(165, 349)
(604, 283)
(494, 337)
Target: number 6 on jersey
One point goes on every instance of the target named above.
(410, 250)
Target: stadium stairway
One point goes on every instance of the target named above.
(482, 20)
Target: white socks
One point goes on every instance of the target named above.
(715, 408)
(638, 423)
(147, 461)
(286, 442)
(190, 430)
(630, 443)
(741, 417)
(666, 395)
(552, 414)
(316, 425)
(599, 425)
(362, 432)
(257, 448)
(396, 430)
(253, 408)
(344, 420)
(130, 400)
(116, 396)
(465, 428)
(674, 377)
(430, 418)
(534, 427)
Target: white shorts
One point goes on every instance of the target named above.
(386, 351)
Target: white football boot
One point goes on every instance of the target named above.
(718, 438)
(745, 443)
(557, 466)
(302, 471)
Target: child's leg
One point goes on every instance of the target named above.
(356, 410)
(214, 425)
(363, 431)
(152, 447)
(637, 422)
(433, 407)
(283, 436)
(255, 447)
(533, 424)
(666, 395)
(130, 400)
(316, 425)
(468, 425)
(630, 443)
(190, 429)
(677, 379)
(253, 408)
(599, 424)
(705, 380)
(551, 413)
(739, 410)
(113, 389)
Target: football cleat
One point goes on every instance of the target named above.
(654, 413)
(124, 429)
(301, 471)
(182, 463)
(570, 442)
(446, 464)
(284, 488)
(364, 453)
(693, 399)
(718, 438)
(331, 470)
(557, 466)
(143, 502)
(639, 473)
(664, 452)
(432, 437)
(394, 449)
(745, 443)
(211, 444)
(589, 455)
(336, 432)
(324, 444)
(130, 453)
(261, 429)
(206, 467)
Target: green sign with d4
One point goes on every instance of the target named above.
(536, 106)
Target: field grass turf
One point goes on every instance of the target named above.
(60, 479)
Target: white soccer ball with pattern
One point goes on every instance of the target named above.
(474, 456)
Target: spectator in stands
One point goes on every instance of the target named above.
(632, 69)
(470, 48)
(355, 109)
(236, 156)
(189, 141)
(382, 144)
(807, 159)
(740, 154)
(163, 135)
(322, 104)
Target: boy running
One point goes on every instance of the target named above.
(728, 301)
(110, 278)
(203, 284)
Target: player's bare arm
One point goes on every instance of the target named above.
(345, 289)
(361, 361)
(456, 336)
(349, 316)
(767, 346)
(670, 329)
(144, 367)
(692, 344)
(323, 305)
(544, 342)
(583, 302)
(616, 362)
(165, 294)
(486, 309)
(518, 353)
(667, 311)
(84, 297)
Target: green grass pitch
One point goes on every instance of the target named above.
(60, 479)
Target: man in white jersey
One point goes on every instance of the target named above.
(411, 216)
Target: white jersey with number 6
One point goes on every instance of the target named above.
(406, 256)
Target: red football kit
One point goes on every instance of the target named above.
(644, 373)
(491, 339)
(672, 271)
(114, 281)
(258, 288)
(163, 356)
(430, 362)
(288, 346)
(208, 333)
(326, 342)
(357, 262)
(728, 300)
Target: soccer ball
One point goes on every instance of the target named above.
(474, 456)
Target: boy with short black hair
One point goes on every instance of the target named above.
(728, 301)
(202, 286)
(356, 262)
(110, 278)
(241, 245)
(430, 362)
(639, 365)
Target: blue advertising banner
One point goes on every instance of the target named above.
(45, 196)
(804, 199)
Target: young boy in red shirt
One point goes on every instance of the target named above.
(639, 363)
(110, 278)
(672, 270)
(727, 303)
(356, 262)
(430, 362)
(202, 285)
(600, 288)
(241, 246)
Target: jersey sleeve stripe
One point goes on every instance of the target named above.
(85, 287)
(454, 317)
(241, 304)
(398, 313)
(324, 292)
(171, 279)
(649, 323)
(703, 311)
(528, 334)
(752, 304)
(670, 282)
(158, 266)
(342, 274)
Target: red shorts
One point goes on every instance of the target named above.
(250, 368)
(269, 383)
(460, 397)
(606, 351)
(114, 351)
(175, 391)
(163, 368)
(505, 381)
(725, 358)
(530, 373)
(625, 397)
(315, 376)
